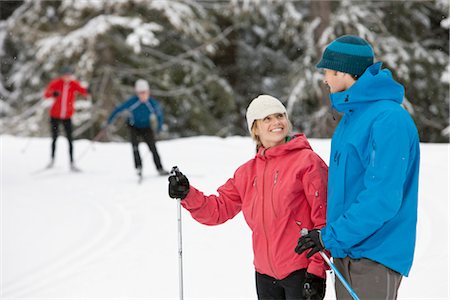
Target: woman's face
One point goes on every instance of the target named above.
(272, 130)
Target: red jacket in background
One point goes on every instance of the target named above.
(63, 107)
(280, 191)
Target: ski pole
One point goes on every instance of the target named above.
(92, 144)
(344, 282)
(27, 144)
(176, 171)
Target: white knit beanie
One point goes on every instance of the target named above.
(141, 85)
(261, 107)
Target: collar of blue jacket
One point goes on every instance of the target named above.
(375, 84)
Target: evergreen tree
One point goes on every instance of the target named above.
(111, 44)
(205, 60)
(276, 45)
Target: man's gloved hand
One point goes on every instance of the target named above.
(55, 94)
(314, 287)
(312, 240)
(178, 185)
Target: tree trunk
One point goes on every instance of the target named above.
(322, 10)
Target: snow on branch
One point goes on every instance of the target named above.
(75, 42)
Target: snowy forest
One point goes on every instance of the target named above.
(205, 60)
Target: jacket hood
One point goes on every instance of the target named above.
(374, 85)
(297, 142)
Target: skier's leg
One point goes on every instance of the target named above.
(374, 280)
(135, 146)
(293, 285)
(54, 124)
(68, 129)
(369, 279)
(149, 139)
(343, 266)
(268, 288)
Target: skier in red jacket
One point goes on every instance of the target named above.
(62, 91)
(280, 191)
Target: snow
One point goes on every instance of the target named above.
(74, 42)
(98, 234)
(182, 16)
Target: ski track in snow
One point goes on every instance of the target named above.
(109, 237)
(115, 227)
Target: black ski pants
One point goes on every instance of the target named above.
(147, 135)
(54, 128)
(291, 287)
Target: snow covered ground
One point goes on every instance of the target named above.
(100, 235)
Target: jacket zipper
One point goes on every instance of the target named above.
(373, 154)
(255, 187)
(64, 100)
(264, 223)
(273, 188)
(338, 148)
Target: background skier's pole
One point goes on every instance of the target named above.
(180, 240)
(25, 147)
(344, 282)
(91, 146)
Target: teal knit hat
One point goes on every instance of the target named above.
(348, 54)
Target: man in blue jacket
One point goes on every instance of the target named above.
(373, 175)
(145, 117)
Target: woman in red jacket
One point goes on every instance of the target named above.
(63, 91)
(280, 191)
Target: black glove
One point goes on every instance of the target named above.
(314, 287)
(311, 240)
(178, 185)
(55, 93)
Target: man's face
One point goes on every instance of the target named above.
(143, 95)
(336, 81)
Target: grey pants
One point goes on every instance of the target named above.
(369, 279)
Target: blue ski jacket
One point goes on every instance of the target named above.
(373, 174)
(139, 113)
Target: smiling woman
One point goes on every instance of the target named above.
(280, 191)
(268, 122)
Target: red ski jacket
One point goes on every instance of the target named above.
(280, 191)
(63, 107)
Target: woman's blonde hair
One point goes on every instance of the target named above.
(256, 138)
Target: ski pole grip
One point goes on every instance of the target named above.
(304, 231)
(177, 172)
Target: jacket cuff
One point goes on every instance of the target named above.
(317, 269)
(326, 237)
(330, 243)
(194, 199)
